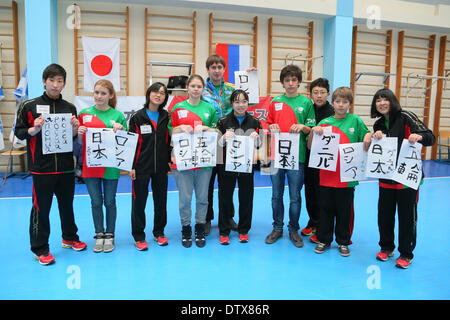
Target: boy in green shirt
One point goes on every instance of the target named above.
(336, 196)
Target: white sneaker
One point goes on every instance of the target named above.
(108, 245)
(99, 242)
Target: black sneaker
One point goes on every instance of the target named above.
(200, 240)
(207, 228)
(321, 247)
(186, 236)
(344, 250)
(233, 225)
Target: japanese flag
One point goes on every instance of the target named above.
(101, 61)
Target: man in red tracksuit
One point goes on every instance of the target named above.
(52, 173)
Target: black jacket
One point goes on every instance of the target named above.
(249, 124)
(401, 125)
(323, 112)
(38, 162)
(153, 149)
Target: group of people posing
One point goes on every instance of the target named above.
(215, 105)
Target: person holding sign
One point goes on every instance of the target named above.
(320, 92)
(217, 92)
(238, 122)
(336, 196)
(151, 161)
(102, 115)
(189, 116)
(52, 173)
(293, 113)
(395, 122)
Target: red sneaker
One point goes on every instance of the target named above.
(314, 239)
(75, 245)
(243, 238)
(308, 231)
(45, 259)
(162, 240)
(384, 255)
(225, 240)
(141, 245)
(403, 263)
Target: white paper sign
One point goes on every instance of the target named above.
(381, 158)
(195, 150)
(352, 159)
(286, 150)
(248, 81)
(100, 147)
(126, 143)
(409, 165)
(57, 133)
(239, 152)
(324, 151)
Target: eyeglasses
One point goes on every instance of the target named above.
(322, 93)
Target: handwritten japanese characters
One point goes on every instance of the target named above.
(381, 158)
(57, 133)
(195, 150)
(239, 153)
(125, 149)
(104, 148)
(409, 165)
(248, 81)
(286, 150)
(324, 151)
(100, 147)
(352, 159)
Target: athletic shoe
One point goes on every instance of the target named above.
(314, 239)
(99, 241)
(321, 247)
(225, 240)
(384, 255)
(243, 238)
(344, 250)
(45, 259)
(308, 231)
(108, 245)
(162, 240)
(403, 263)
(186, 236)
(207, 228)
(233, 225)
(273, 236)
(75, 245)
(200, 240)
(141, 245)
(296, 239)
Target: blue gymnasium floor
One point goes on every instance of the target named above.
(252, 271)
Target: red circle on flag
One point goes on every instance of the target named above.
(101, 65)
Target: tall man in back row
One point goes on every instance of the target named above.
(217, 93)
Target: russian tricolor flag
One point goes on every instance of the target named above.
(237, 58)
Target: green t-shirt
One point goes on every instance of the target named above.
(351, 129)
(286, 111)
(93, 118)
(184, 113)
